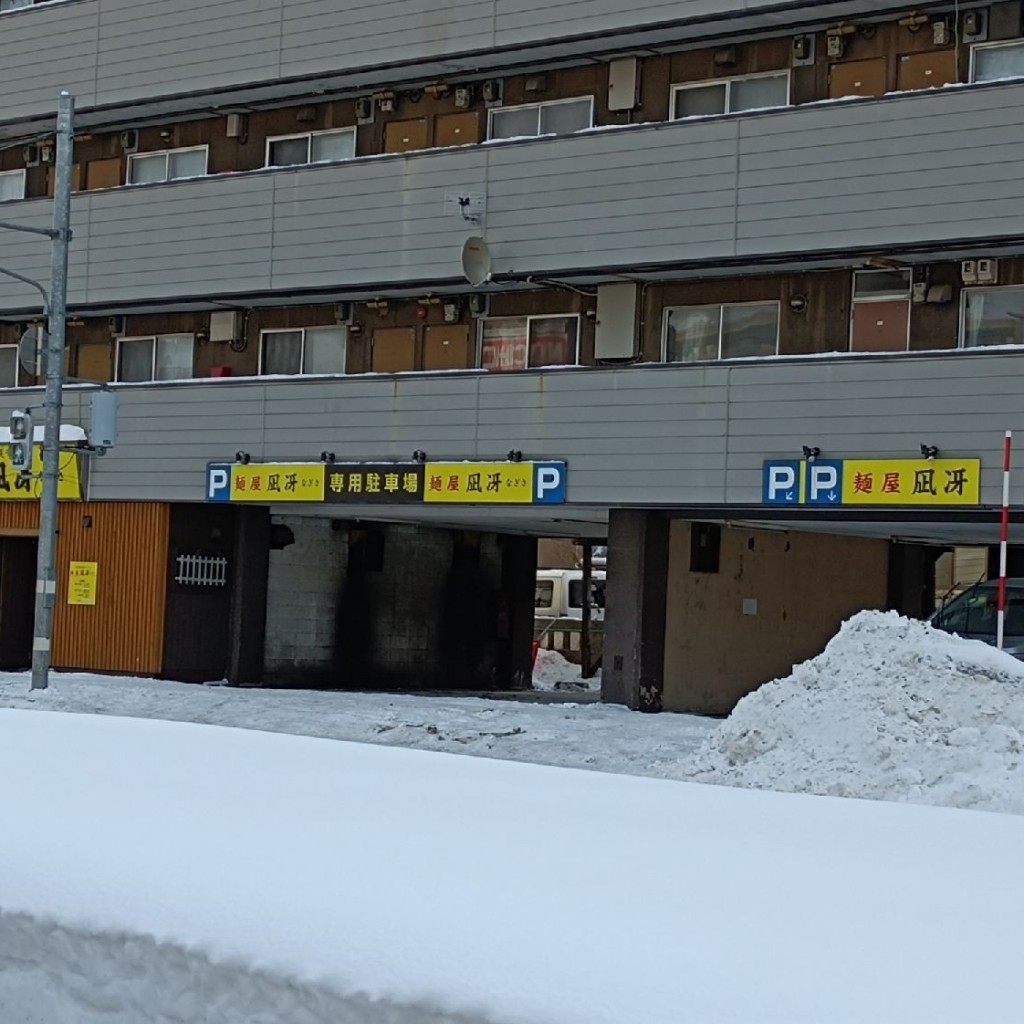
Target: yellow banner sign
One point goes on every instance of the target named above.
(911, 481)
(459, 483)
(82, 582)
(15, 485)
(273, 482)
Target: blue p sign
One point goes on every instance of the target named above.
(218, 482)
(549, 483)
(824, 483)
(780, 483)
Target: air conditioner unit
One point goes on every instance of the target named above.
(988, 271)
(343, 312)
(31, 156)
(118, 326)
(364, 109)
(491, 90)
(130, 140)
(479, 303)
(969, 272)
(225, 325)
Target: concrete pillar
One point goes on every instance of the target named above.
(911, 582)
(634, 627)
(515, 616)
(247, 616)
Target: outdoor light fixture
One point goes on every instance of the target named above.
(929, 451)
(243, 457)
(327, 456)
(515, 455)
(811, 453)
(419, 455)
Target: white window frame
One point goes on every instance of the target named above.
(166, 153)
(302, 351)
(529, 318)
(308, 136)
(155, 338)
(538, 105)
(721, 317)
(10, 174)
(964, 295)
(727, 82)
(17, 368)
(1001, 44)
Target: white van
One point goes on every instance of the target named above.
(559, 594)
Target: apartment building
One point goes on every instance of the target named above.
(388, 292)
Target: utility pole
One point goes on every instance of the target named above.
(46, 572)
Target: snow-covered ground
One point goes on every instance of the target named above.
(599, 736)
(155, 872)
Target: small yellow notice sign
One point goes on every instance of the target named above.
(82, 583)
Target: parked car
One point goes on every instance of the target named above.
(972, 615)
(559, 594)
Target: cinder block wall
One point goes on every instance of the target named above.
(303, 589)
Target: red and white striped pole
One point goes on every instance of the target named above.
(1004, 534)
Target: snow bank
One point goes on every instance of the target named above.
(891, 710)
(157, 872)
(553, 671)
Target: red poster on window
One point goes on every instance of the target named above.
(504, 345)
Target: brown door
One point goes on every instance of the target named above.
(94, 361)
(394, 349)
(880, 326)
(446, 347)
(76, 179)
(402, 136)
(17, 596)
(858, 78)
(104, 173)
(457, 129)
(926, 70)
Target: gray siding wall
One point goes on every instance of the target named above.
(675, 435)
(109, 52)
(830, 176)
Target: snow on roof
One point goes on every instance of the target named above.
(303, 880)
(892, 709)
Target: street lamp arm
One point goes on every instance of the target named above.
(34, 284)
(45, 232)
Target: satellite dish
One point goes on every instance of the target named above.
(476, 261)
(32, 347)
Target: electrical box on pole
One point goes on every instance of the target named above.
(22, 439)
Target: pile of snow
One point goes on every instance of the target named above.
(891, 710)
(153, 872)
(552, 671)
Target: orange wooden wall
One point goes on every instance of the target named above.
(124, 630)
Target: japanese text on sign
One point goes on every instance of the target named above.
(872, 482)
(15, 485)
(386, 483)
(82, 583)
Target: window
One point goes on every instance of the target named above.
(559, 117)
(14, 5)
(164, 357)
(518, 342)
(311, 148)
(543, 594)
(12, 185)
(8, 366)
(304, 350)
(992, 316)
(730, 95)
(880, 317)
(731, 330)
(145, 168)
(1000, 60)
